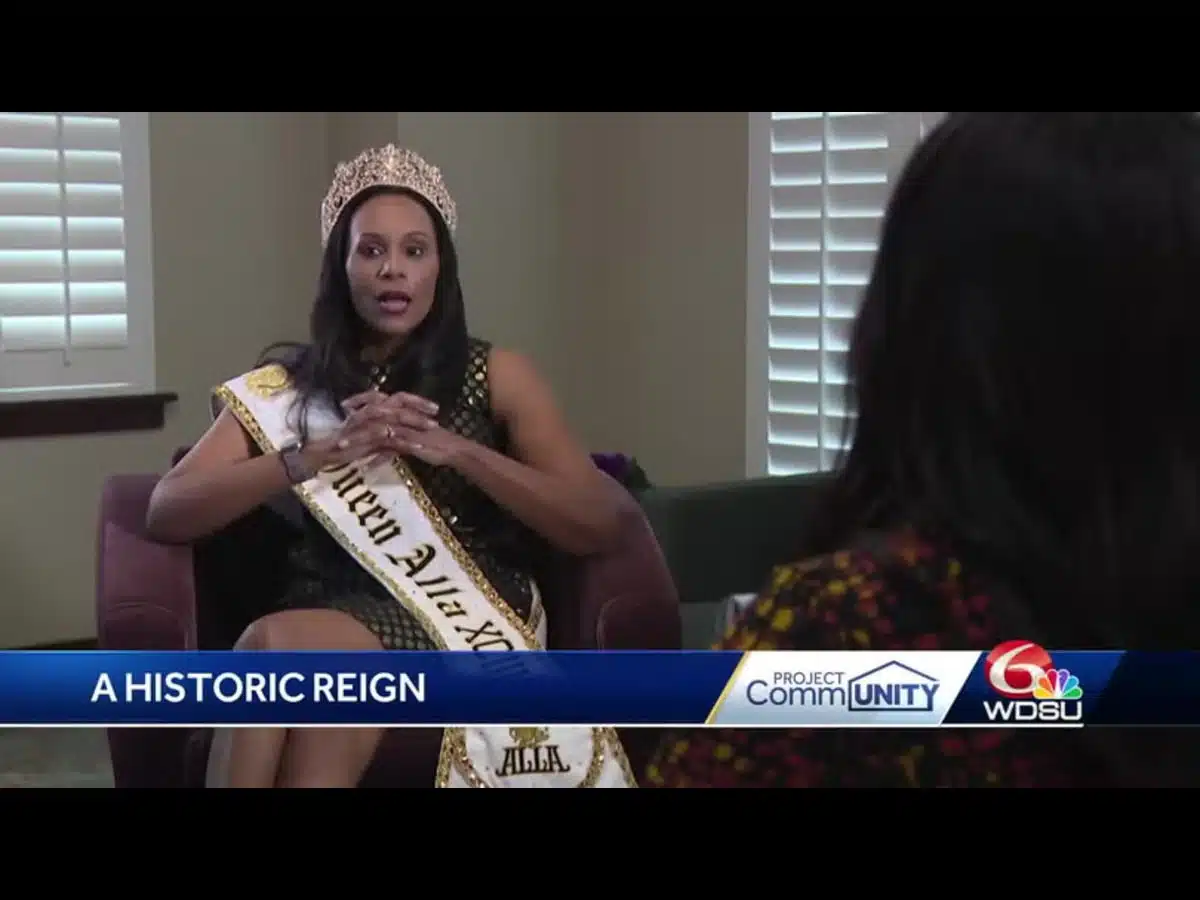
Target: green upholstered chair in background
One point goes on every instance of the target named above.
(723, 539)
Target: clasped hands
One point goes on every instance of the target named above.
(378, 423)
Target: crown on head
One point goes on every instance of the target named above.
(390, 166)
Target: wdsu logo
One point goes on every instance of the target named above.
(1036, 692)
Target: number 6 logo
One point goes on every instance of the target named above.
(1013, 668)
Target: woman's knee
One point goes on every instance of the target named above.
(307, 629)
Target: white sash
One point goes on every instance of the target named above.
(381, 516)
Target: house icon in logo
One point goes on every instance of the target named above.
(892, 687)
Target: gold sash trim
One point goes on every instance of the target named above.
(379, 513)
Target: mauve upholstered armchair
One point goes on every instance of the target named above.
(150, 596)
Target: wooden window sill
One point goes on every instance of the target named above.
(84, 415)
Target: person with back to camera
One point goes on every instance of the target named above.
(417, 454)
(1026, 458)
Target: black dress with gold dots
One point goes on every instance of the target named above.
(324, 576)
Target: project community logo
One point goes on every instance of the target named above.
(843, 689)
(1034, 691)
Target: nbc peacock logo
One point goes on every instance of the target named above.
(1057, 684)
(1035, 692)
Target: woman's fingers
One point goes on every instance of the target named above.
(364, 399)
(412, 401)
(374, 421)
(407, 418)
(374, 398)
(384, 416)
(398, 432)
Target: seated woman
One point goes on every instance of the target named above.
(428, 467)
(1026, 458)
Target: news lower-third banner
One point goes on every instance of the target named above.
(1017, 683)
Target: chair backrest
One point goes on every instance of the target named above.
(723, 539)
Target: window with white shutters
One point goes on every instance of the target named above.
(819, 185)
(76, 302)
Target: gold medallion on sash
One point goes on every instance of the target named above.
(379, 513)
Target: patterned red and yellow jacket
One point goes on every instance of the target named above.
(907, 595)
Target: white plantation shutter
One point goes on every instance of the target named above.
(830, 174)
(76, 306)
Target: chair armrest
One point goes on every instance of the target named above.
(145, 591)
(621, 600)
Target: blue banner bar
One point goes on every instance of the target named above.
(1015, 684)
(409, 688)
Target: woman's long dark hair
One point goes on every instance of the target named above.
(1024, 368)
(432, 362)
(1024, 372)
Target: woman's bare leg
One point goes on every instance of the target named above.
(245, 757)
(309, 757)
(327, 757)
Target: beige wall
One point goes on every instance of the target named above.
(608, 246)
(654, 287)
